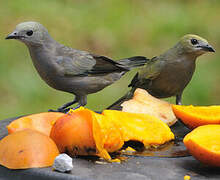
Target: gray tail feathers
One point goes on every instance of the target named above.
(133, 62)
(117, 105)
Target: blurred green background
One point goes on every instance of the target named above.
(115, 28)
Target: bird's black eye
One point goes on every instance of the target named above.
(194, 41)
(29, 33)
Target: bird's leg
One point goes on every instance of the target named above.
(67, 105)
(63, 107)
(82, 101)
(178, 102)
(179, 99)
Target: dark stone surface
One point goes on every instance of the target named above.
(134, 168)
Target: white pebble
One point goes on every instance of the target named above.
(63, 163)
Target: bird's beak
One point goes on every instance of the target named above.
(207, 48)
(13, 35)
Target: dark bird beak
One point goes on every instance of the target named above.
(208, 48)
(13, 35)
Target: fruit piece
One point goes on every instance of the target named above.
(140, 127)
(84, 132)
(204, 144)
(113, 128)
(41, 122)
(73, 134)
(194, 116)
(27, 149)
(107, 135)
(143, 102)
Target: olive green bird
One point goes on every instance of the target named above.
(168, 74)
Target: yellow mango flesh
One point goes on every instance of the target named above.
(140, 127)
(112, 128)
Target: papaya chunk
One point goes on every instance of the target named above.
(204, 144)
(73, 134)
(194, 116)
(41, 122)
(140, 127)
(27, 149)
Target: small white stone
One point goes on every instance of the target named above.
(63, 163)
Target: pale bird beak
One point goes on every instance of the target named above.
(13, 35)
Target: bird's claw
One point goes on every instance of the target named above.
(51, 110)
(64, 110)
(59, 110)
(78, 106)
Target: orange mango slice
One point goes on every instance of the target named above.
(204, 144)
(194, 116)
(41, 122)
(27, 149)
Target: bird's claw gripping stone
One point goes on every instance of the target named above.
(63, 163)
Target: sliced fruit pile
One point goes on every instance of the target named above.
(35, 140)
(28, 144)
(204, 141)
(84, 132)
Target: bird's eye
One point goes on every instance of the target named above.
(194, 41)
(29, 33)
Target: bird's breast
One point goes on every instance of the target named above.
(172, 79)
(45, 65)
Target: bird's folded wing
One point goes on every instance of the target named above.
(151, 69)
(87, 64)
(147, 73)
(76, 65)
(105, 65)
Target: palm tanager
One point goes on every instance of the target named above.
(168, 74)
(70, 70)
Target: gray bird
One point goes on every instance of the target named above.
(168, 74)
(70, 70)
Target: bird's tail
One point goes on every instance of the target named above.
(117, 105)
(132, 62)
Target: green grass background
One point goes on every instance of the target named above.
(115, 28)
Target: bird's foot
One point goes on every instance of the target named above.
(77, 107)
(59, 110)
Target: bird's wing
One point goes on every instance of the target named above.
(76, 65)
(105, 65)
(151, 69)
(148, 72)
(83, 63)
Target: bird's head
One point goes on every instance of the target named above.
(195, 45)
(30, 33)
